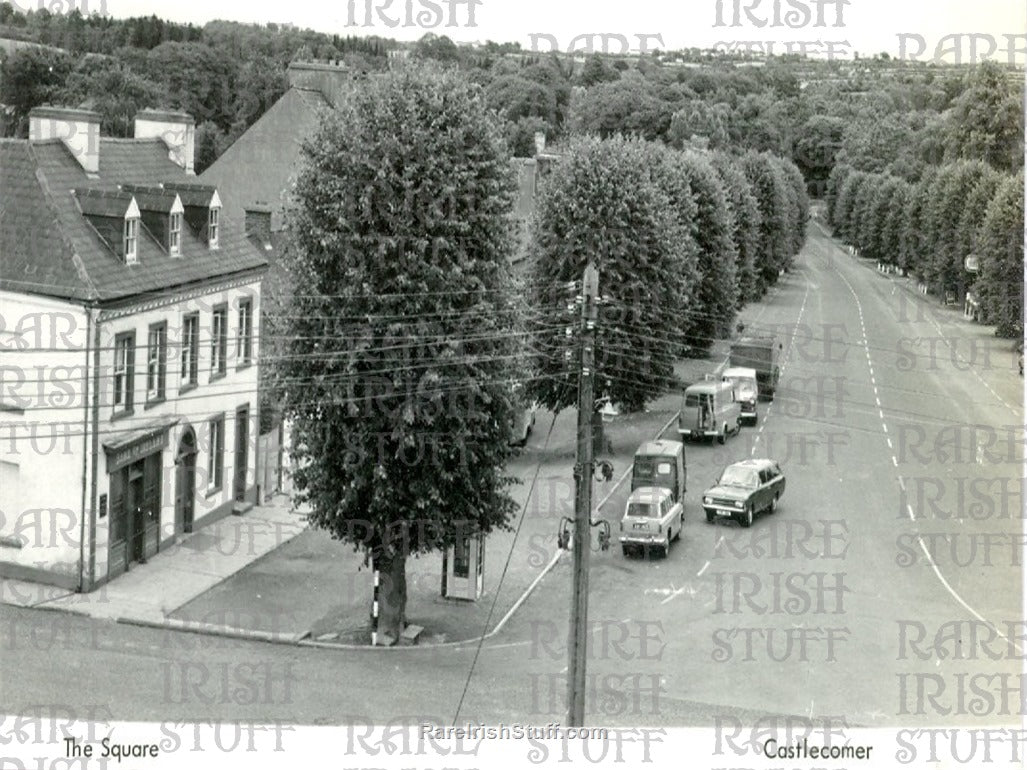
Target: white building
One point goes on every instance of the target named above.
(129, 341)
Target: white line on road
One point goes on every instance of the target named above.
(909, 510)
(902, 483)
(705, 567)
(894, 461)
(885, 438)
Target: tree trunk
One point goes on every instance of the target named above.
(392, 596)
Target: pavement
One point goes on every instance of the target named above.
(199, 561)
(267, 576)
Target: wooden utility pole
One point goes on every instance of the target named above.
(577, 641)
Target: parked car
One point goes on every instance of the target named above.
(652, 519)
(747, 391)
(709, 409)
(744, 490)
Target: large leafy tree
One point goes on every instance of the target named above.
(800, 204)
(949, 193)
(601, 204)
(845, 203)
(716, 299)
(986, 122)
(403, 332)
(1000, 246)
(914, 251)
(30, 77)
(745, 210)
(771, 191)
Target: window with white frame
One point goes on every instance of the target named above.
(190, 350)
(175, 233)
(156, 362)
(131, 240)
(213, 222)
(245, 341)
(219, 341)
(216, 456)
(124, 353)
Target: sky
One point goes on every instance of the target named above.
(920, 28)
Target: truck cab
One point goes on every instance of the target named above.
(661, 464)
(709, 409)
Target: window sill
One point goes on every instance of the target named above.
(152, 402)
(219, 376)
(122, 414)
(187, 388)
(211, 491)
(244, 365)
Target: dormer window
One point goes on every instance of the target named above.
(175, 233)
(212, 226)
(131, 240)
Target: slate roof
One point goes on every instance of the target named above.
(262, 164)
(48, 247)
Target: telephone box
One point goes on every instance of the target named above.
(463, 568)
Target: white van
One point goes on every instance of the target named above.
(747, 390)
(709, 409)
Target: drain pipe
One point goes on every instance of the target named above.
(82, 580)
(94, 322)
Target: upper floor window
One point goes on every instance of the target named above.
(219, 342)
(124, 359)
(190, 350)
(175, 234)
(245, 343)
(213, 226)
(156, 362)
(131, 240)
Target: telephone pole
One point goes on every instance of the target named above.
(578, 639)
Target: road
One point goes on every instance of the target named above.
(828, 608)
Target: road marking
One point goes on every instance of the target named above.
(885, 426)
(959, 598)
(705, 567)
(909, 508)
(881, 412)
(889, 442)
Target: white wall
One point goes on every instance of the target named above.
(194, 407)
(43, 364)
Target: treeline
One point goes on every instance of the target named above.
(968, 205)
(682, 240)
(225, 74)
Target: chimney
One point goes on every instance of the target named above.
(540, 142)
(258, 222)
(330, 80)
(176, 129)
(78, 129)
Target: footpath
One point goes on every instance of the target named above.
(267, 576)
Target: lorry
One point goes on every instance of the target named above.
(654, 514)
(760, 352)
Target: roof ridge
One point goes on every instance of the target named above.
(48, 196)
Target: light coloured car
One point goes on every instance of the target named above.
(747, 390)
(652, 520)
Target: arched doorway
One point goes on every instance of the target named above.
(185, 481)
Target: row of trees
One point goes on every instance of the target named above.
(956, 210)
(681, 239)
(403, 337)
(926, 206)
